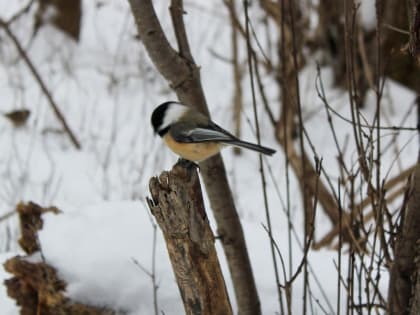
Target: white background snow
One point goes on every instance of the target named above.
(107, 88)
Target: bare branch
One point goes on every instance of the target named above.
(262, 173)
(177, 10)
(165, 58)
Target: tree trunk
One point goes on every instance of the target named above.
(404, 267)
(415, 303)
(415, 30)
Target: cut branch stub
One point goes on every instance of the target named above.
(178, 207)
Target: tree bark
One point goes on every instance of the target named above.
(404, 266)
(183, 76)
(399, 64)
(415, 30)
(178, 207)
(415, 303)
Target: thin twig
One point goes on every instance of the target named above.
(322, 96)
(311, 235)
(7, 215)
(237, 75)
(396, 29)
(21, 12)
(340, 243)
(263, 94)
(301, 143)
(262, 173)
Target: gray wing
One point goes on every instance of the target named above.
(193, 133)
(190, 134)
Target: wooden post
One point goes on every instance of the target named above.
(178, 207)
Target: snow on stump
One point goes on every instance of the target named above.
(35, 285)
(178, 207)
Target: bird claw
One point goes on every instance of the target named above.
(187, 164)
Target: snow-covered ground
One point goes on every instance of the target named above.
(107, 88)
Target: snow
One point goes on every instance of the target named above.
(107, 88)
(367, 11)
(96, 249)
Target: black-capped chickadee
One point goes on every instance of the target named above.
(192, 135)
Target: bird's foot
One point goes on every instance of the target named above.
(187, 164)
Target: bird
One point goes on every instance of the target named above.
(192, 135)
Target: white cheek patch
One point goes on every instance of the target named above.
(173, 114)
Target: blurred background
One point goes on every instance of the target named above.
(335, 83)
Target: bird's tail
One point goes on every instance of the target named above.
(252, 146)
